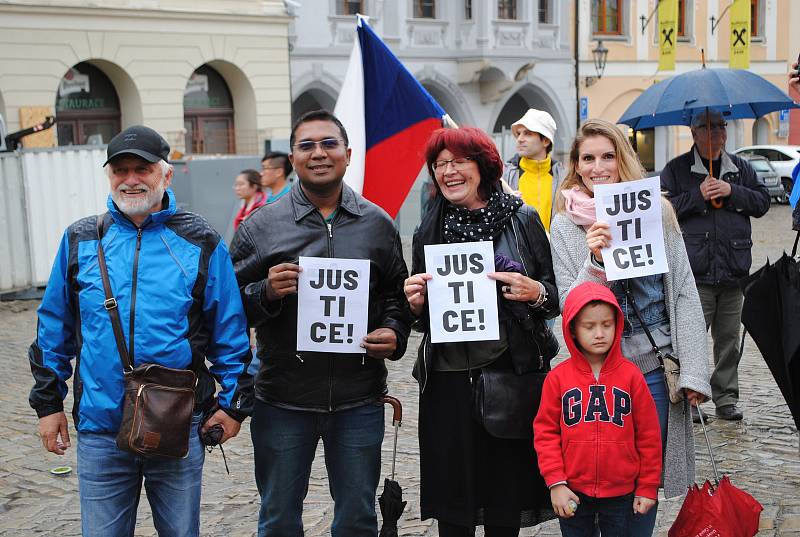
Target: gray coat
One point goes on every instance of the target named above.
(573, 266)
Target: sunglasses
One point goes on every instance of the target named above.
(328, 144)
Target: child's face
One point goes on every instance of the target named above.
(594, 329)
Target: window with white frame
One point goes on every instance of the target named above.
(424, 9)
(607, 17)
(349, 7)
(507, 9)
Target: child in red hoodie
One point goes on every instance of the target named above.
(596, 433)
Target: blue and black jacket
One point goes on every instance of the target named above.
(179, 304)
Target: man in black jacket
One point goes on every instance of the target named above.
(304, 396)
(714, 211)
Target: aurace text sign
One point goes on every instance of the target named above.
(462, 300)
(332, 304)
(633, 211)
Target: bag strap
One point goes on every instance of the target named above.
(110, 303)
(796, 238)
(626, 284)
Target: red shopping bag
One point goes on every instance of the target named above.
(722, 511)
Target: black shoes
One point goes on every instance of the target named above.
(729, 412)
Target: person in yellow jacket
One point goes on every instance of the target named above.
(531, 173)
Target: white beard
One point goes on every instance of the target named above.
(139, 206)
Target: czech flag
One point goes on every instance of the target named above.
(389, 117)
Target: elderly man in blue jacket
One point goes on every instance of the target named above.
(715, 194)
(179, 304)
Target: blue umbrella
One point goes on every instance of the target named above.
(735, 93)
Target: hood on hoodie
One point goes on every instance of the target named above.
(576, 300)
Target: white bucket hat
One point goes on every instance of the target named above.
(536, 121)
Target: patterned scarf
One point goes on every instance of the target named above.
(485, 224)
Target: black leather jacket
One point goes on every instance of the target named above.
(281, 232)
(531, 344)
(718, 241)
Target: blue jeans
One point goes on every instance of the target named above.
(110, 482)
(284, 442)
(642, 525)
(613, 514)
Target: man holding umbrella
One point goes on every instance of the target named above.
(714, 194)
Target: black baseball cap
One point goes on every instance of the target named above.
(141, 141)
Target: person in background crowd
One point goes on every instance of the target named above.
(717, 240)
(470, 477)
(247, 187)
(275, 170)
(668, 302)
(183, 291)
(304, 396)
(794, 83)
(532, 173)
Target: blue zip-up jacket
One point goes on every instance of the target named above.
(187, 309)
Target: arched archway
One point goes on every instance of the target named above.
(208, 113)
(452, 103)
(532, 94)
(221, 112)
(761, 130)
(87, 106)
(643, 141)
(313, 98)
(95, 99)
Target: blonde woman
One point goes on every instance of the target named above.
(669, 303)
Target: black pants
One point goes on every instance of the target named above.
(452, 530)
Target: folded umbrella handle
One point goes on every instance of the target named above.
(708, 444)
(397, 408)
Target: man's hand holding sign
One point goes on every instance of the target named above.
(628, 237)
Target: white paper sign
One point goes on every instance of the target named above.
(332, 304)
(633, 211)
(462, 300)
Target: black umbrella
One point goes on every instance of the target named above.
(771, 315)
(391, 500)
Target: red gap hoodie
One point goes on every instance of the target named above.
(601, 435)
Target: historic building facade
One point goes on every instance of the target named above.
(212, 76)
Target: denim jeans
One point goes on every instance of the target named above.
(110, 482)
(613, 515)
(285, 441)
(642, 525)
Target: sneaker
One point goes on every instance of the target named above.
(729, 412)
(696, 411)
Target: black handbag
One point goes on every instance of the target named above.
(506, 403)
(158, 401)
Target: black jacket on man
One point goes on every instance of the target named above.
(718, 241)
(283, 231)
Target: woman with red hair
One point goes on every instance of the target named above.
(470, 475)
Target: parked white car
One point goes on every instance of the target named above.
(782, 157)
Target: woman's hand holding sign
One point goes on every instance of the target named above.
(597, 238)
(281, 281)
(414, 288)
(517, 286)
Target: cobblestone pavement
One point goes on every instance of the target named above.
(760, 453)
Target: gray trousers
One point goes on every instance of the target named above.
(722, 307)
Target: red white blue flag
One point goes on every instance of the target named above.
(389, 117)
